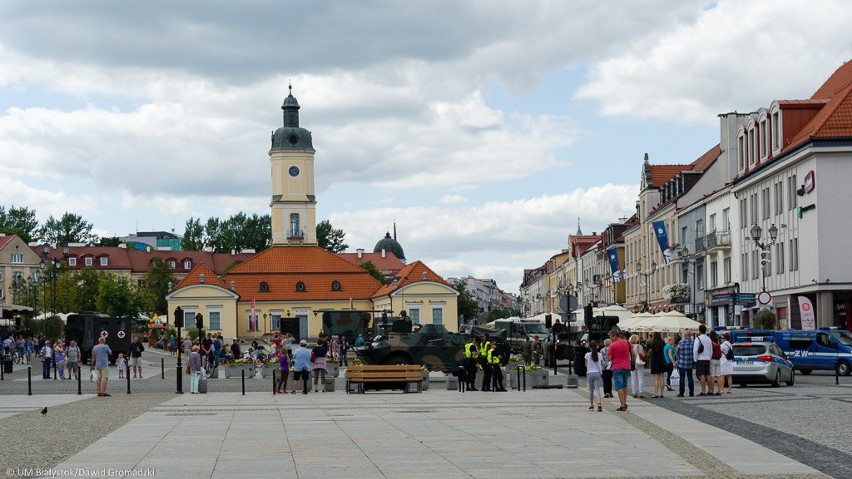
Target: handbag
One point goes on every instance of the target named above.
(187, 369)
(639, 357)
(92, 376)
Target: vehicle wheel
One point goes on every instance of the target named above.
(397, 359)
(777, 381)
(792, 377)
(843, 368)
(805, 371)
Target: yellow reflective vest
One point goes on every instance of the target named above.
(467, 349)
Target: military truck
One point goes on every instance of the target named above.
(573, 345)
(88, 326)
(519, 331)
(430, 345)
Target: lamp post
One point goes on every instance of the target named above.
(756, 232)
(683, 254)
(179, 324)
(55, 264)
(647, 282)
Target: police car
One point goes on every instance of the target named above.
(824, 348)
(761, 362)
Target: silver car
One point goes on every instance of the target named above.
(762, 363)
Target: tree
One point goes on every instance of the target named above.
(20, 221)
(118, 296)
(83, 288)
(468, 306)
(108, 241)
(497, 314)
(213, 235)
(156, 285)
(193, 235)
(374, 272)
(70, 228)
(331, 238)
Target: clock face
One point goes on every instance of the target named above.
(294, 171)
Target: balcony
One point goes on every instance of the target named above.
(718, 240)
(295, 234)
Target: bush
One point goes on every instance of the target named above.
(765, 319)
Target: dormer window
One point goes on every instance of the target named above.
(775, 133)
(104, 260)
(172, 264)
(72, 261)
(741, 151)
(187, 264)
(335, 285)
(300, 286)
(264, 287)
(763, 136)
(88, 260)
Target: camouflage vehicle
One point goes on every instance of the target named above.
(430, 345)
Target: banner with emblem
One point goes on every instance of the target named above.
(663, 240)
(613, 265)
(806, 310)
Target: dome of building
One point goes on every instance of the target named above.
(291, 136)
(389, 244)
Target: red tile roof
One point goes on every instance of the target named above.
(4, 240)
(707, 159)
(194, 277)
(410, 274)
(834, 120)
(838, 81)
(660, 174)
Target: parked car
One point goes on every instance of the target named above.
(825, 348)
(762, 362)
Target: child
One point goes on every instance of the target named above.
(121, 364)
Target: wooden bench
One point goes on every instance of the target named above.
(375, 376)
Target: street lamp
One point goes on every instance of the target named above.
(756, 232)
(179, 324)
(647, 282)
(55, 263)
(684, 256)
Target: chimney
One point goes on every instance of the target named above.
(360, 252)
(383, 252)
(233, 285)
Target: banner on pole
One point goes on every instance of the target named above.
(806, 310)
(663, 240)
(613, 265)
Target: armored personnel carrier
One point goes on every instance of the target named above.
(430, 345)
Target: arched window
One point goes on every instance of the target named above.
(294, 225)
(264, 287)
(335, 285)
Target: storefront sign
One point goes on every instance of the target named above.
(810, 182)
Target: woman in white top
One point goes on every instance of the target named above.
(594, 367)
(726, 365)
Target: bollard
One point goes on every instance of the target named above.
(462, 379)
(162, 368)
(54, 368)
(79, 382)
(127, 374)
(837, 376)
(524, 369)
(29, 380)
(243, 378)
(273, 381)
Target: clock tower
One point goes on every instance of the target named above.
(291, 160)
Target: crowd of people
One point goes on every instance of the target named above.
(621, 362)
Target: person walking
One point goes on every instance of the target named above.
(637, 374)
(669, 356)
(594, 368)
(318, 358)
(121, 365)
(302, 366)
(606, 374)
(73, 357)
(620, 355)
(726, 365)
(100, 364)
(59, 357)
(136, 356)
(194, 365)
(344, 349)
(702, 350)
(46, 354)
(283, 371)
(685, 362)
(658, 364)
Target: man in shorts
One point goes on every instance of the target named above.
(136, 356)
(100, 363)
(620, 355)
(302, 366)
(72, 355)
(702, 350)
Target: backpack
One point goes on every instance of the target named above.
(717, 352)
(700, 345)
(730, 354)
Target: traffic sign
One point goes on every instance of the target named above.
(764, 297)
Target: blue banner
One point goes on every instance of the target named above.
(663, 239)
(613, 265)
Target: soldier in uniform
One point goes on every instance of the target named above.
(496, 371)
(471, 355)
(484, 347)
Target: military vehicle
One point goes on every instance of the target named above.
(573, 345)
(519, 331)
(430, 345)
(88, 326)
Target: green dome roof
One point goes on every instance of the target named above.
(389, 244)
(291, 136)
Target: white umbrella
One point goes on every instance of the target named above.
(671, 321)
(633, 321)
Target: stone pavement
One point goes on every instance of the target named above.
(435, 434)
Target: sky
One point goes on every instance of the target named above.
(483, 130)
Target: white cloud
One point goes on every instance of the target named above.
(452, 199)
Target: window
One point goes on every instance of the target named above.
(711, 224)
(17, 258)
(294, 225)
(72, 261)
(699, 276)
(741, 151)
(188, 318)
(88, 260)
(764, 138)
(187, 264)
(172, 264)
(437, 315)
(779, 198)
(766, 203)
(215, 319)
(776, 130)
(300, 286)
(714, 274)
(275, 320)
(264, 287)
(726, 219)
(794, 254)
(779, 258)
(335, 285)
(726, 270)
(104, 261)
(743, 213)
(754, 208)
(791, 192)
(414, 314)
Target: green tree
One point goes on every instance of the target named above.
(20, 221)
(213, 235)
(156, 285)
(467, 305)
(70, 228)
(83, 287)
(118, 296)
(331, 238)
(108, 241)
(374, 272)
(193, 235)
(497, 314)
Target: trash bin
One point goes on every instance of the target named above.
(7, 364)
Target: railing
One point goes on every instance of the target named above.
(718, 239)
(295, 234)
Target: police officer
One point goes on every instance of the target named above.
(496, 371)
(471, 354)
(484, 347)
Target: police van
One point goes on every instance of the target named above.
(825, 348)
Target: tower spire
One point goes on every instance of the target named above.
(579, 231)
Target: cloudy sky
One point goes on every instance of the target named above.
(484, 129)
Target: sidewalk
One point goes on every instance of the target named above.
(436, 434)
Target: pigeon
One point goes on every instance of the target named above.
(44, 412)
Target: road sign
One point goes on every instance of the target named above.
(764, 297)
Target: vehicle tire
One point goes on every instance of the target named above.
(777, 381)
(842, 368)
(792, 378)
(806, 371)
(397, 359)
